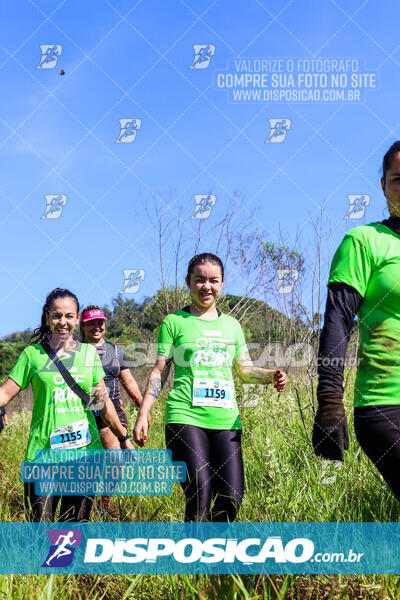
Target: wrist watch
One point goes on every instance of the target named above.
(124, 437)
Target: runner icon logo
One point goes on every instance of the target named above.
(204, 204)
(62, 547)
(132, 280)
(278, 129)
(286, 280)
(54, 206)
(128, 130)
(50, 55)
(202, 56)
(357, 205)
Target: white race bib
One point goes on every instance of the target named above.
(76, 435)
(212, 392)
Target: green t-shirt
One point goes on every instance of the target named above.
(59, 418)
(368, 259)
(203, 352)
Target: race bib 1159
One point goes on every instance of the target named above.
(212, 392)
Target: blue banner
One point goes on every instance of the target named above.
(122, 548)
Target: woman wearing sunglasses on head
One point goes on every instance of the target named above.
(60, 418)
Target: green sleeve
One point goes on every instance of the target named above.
(22, 371)
(98, 371)
(165, 340)
(240, 342)
(352, 264)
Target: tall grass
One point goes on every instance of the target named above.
(284, 482)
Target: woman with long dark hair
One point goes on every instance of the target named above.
(364, 280)
(203, 426)
(60, 420)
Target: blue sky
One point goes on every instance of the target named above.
(130, 60)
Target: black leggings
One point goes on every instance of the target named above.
(43, 508)
(214, 466)
(378, 433)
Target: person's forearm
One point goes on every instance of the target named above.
(342, 304)
(257, 375)
(153, 390)
(111, 419)
(132, 389)
(8, 391)
(4, 398)
(156, 383)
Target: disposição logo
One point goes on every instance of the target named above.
(62, 547)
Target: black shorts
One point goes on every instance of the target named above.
(121, 415)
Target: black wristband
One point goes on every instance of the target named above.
(124, 437)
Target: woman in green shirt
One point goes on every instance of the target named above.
(203, 425)
(364, 280)
(60, 421)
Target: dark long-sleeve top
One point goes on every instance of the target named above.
(342, 305)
